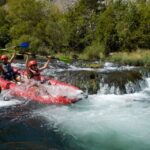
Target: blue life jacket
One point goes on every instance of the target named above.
(8, 72)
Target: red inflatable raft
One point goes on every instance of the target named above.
(54, 92)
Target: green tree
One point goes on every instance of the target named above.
(82, 22)
(4, 28)
(144, 28)
(95, 5)
(124, 26)
(38, 22)
(25, 16)
(106, 30)
(128, 27)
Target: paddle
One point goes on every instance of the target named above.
(34, 55)
(62, 58)
(25, 45)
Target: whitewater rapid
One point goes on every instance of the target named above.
(104, 121)
(100, 122)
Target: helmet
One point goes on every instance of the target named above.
(4, 57)
(32, 62)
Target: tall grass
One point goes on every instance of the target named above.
(93, 52)
(136, 58)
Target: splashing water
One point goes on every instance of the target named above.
(106, 122)
(101, 122)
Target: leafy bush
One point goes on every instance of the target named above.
(95, 51)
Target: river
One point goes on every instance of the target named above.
(100, 122)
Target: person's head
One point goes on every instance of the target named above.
(4, 58)
(32, 64)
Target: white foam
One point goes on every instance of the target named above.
(102, 116)
(7, 100)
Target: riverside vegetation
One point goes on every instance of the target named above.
(91, 29)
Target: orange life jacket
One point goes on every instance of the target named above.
(34, 74)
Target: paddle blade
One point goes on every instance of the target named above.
(24, 45)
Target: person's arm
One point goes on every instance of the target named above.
(13, 56)
(1, 69)
(27, 60)
(46, 64)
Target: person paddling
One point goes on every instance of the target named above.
(33, 71)
(7, 70)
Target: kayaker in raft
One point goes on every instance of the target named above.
(6, 69)
(33, 71)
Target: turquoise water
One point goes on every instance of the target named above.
(101, 122)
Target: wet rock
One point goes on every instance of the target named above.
(121, 82)
(86, 80)
(115, 82)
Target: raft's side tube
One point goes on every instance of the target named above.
(6, 84)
